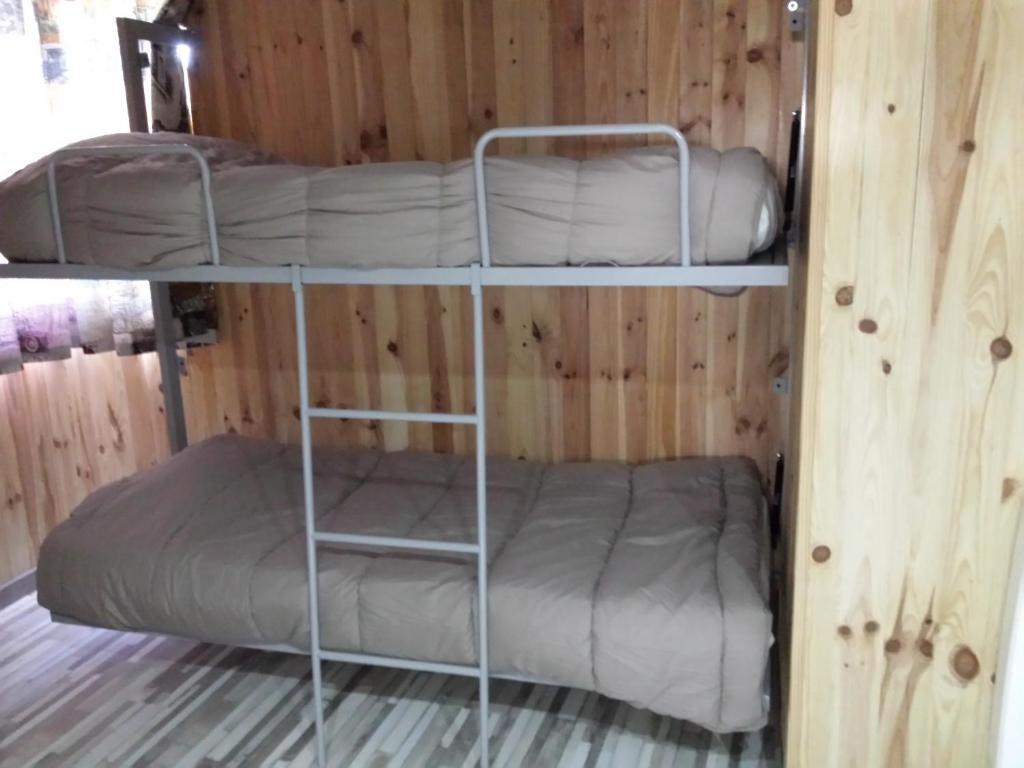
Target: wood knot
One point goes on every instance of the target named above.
(968, 146)
(891, 108)
(844, 7)
(844, 296)
(488, 113)
(754, 55)
(867, 325)
(926, 648)
(965, 663)
(357, 37)
(392, 347)
(844, 631)
(893, 645)
(821, 553)
(1009, 487)
(871, 627)
(1001, 348)
(886, 367)
(496, 315)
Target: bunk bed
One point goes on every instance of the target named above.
(647, 583)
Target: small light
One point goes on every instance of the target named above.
(793, 6)
(184, 54)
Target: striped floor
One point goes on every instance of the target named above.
(72, 696)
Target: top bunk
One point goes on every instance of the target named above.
(177, 208)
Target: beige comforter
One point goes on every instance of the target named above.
(647, 584)
(147, 212)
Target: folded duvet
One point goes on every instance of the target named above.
(646, 584)
(147, 212)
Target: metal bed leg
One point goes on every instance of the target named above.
(170, 377)
(307, 492)
(481, 513)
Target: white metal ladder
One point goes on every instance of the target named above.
(478, 419)
(314, 537)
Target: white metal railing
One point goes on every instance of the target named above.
(119, 150)
(555, 131)
(475, 276)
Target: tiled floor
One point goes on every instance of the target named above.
(73, 696)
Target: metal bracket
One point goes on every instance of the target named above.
(796, 12)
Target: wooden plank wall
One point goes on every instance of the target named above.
(67, 427)
(572, 374)
(912, 417)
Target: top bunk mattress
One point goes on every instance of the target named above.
(647, 583)
(147, 212)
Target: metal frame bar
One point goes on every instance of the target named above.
(476, 277)
(771, 274)
(482, 616)
(312, 580)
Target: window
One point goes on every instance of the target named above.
(69, 87)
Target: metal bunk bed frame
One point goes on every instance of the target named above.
(474, 276)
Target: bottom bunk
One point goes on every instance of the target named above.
(644, 583)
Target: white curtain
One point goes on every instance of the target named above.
(46, 319)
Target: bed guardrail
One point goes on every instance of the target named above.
(119, 150)
(583, 131)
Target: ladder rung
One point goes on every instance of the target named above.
(395, 541)
(433, 418)
(396, 662)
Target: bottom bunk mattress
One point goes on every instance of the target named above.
(644, 583)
